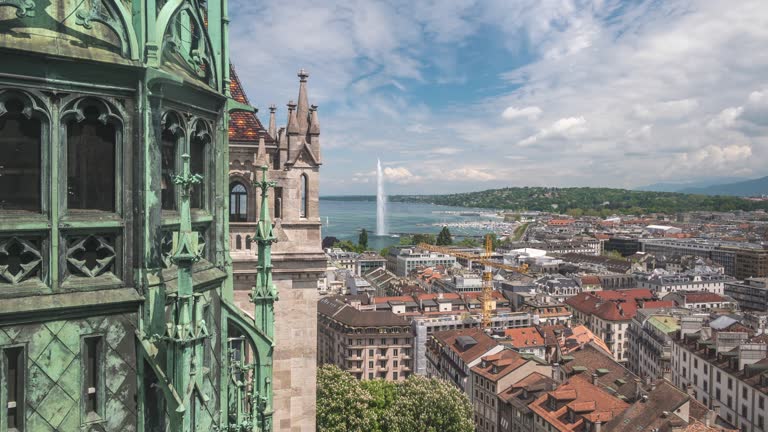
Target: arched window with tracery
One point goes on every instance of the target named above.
(238, 203)
(304, 190)
(198, 159)
(91, 160)
(171, 143)
(20, 156)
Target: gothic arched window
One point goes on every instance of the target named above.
(20, 158)
(247, 242)
(304, 200)
(170, 158)
(238, 242)
(238, 203)
(198, 156)
(91, 152)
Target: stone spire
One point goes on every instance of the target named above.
(272, 125)
(303, 110)
(260, 159)
(293, 125)
(314, 132)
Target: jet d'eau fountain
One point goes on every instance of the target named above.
(381, 201)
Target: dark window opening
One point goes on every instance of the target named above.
(278, 213)
(168, 167)
(248, 242)
(197, 152)
(92, 380)
(19, 159)
(304, 201)
(276, 159)
(238, 203)
(91, 163)
(14, 379)
(238, 242)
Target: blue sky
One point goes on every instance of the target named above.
(459, 95)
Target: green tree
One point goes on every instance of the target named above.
(342, 404)
(469, 242)
(444, 238)
(429, 405)
(423, 238)
(347, 245)
(417, 404)
(384, 252)
(363, 239)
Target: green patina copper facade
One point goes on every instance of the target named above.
(117, 309)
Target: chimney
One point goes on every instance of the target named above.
(598, 425)
(689, 390)
(638, 389)
(594, 379)
(272, 123)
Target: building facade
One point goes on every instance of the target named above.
(367, 344)
(118, 310)
(752, 294)
(291, 155)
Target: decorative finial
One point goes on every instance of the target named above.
(303, 74)
(272, 108)
(291, 105)
(313, 107)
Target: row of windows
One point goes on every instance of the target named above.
(91, 166)
(92, 383)
(238, 201)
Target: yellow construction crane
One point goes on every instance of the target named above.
(485, 260)
(487, 295)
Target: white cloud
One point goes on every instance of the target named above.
(531, 113)
(564, 127)
(419, 128)
(400, 175)
(602, 92)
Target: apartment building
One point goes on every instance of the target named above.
(650, 334)
(514, 413)
(703, 301)
(608, 314)
(368, 344)
(752, 294)
(661, 283)
(727, 370)
(576, 405)
(494, 374)
(452, 353)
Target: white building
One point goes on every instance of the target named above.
(726, 370)
(662, 282)
(410, 259)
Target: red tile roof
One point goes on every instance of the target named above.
(447, 338)
(587, 401)
(505, 362)
(613, 308)
(524, 337)
(244, 126)
(658, 304)
(702, 297)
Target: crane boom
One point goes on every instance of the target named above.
(489, 265)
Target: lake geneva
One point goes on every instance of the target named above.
(345, 219)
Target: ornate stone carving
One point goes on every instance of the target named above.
(19, 260)
(103, 11)
(24, 8)
(90, 255)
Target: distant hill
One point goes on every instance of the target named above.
(689, 185)
(754, 187)
(588, 201)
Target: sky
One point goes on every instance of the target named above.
(463, 95)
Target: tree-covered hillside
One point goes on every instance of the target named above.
(598, 201)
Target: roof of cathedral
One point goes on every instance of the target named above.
(244, 126)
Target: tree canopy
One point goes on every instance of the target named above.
(587, 201)
(362, 240)
(444, 238)
(417, 404)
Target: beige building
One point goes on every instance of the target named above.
(368, 344)
(496, 373)
(293, 157)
